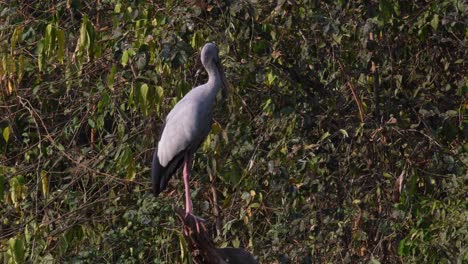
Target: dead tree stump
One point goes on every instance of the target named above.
(202, 247)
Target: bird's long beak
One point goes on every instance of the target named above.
(225, 83)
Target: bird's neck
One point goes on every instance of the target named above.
(214, 81)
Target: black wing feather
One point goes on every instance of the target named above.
(161, 175)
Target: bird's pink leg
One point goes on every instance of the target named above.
(188, 200)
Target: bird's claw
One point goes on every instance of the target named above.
(198, 221)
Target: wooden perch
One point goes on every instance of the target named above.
(202, 247)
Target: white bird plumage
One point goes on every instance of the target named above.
(187, 125)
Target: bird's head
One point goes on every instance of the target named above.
(209, 55)
(210, 60)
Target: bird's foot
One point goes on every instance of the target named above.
(198, 221)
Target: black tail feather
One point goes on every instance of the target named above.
(161, 175)
(156, 173)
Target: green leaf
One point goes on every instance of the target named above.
(15, 191)
(451, 113)
(60, 147)
(267, 105)
(45, 184)
(197, 40)
(131, 172)
(61, 45)
(270, 78)
(124, 60)
(387, 175)
(344, 133)
(236, 242)
(374, 261)
(16, 249)
(63, 243)
(84, 40)
(48, 39)
(324, 136)
(385, 9)
(216, 128)
(91, 123)
(245, 195)
(254, 205)
(48, 258)
(183, 249)
(144, 94)
(6, 133)
(118, 8)
(104, 102)
(20, 68)
(15, 38)
(40, 56)
(435, 22)
(159, 98)
(83, 33)
(111, 77)
(403, 248)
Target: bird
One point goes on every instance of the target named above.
(187, 125)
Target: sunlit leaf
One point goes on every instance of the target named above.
(11, 87)
(6, 134)
(45, 184)
(144, 98)
(124, 60)
(91, 123)
(60, 147)
(15, 38)
(324, 136)
(236, 242)
(60, 45)
(48, 41)
(435, 22)
(16, 249)
(117, 8)
(344, 133)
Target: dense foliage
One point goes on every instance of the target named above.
(343, 139)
